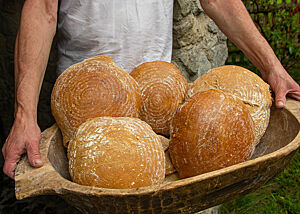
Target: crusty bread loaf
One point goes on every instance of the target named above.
(165, 142)
(169, 165)
(92, 88)
(116, 153)
(163, 89)
(244, 85)
(210, 131)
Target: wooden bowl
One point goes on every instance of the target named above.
(277, 147)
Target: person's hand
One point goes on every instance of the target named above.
(282, 85)
(24, 137)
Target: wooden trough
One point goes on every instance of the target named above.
(277, 147)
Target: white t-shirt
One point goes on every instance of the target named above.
(129, 31)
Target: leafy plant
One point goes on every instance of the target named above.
(280, 29)
(278, 22)
(281, 195)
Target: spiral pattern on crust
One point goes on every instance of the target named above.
(244, 85)
(116, 153)
(92, 88)
(163, 89)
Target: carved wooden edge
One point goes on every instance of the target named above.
(46, 180)
(30, 181)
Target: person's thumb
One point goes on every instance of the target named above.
(34, 155)
(280, 99)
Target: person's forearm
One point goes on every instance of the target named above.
(233, 19)
(33, 44)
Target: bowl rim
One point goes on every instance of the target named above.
(54, 186)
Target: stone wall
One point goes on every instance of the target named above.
(198, 46)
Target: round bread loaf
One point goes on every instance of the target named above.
(116, 153)
(165, 142)
(243, 85)
(210, 131)
(92, 88)
(169, 166)
(163, 89)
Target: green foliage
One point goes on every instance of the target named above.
(278, 24)
(281, 33)
(281, 195)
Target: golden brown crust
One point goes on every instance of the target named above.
(242, 84)
(210, 131)
(116, 153)
(165, 142)
(92, 88)
(169, 165)
(163, 89)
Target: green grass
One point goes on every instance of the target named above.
(281, 195)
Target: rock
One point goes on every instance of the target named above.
(219, 56)
(196, 7)
(198, 44)
(185, 7)
(212, 27)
